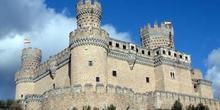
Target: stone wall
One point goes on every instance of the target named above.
(165, 100)
(101, 96)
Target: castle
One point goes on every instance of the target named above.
(97, 70)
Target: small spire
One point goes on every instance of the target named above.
(155, 24)
(148, 25)
(88, 2)
(80, 1)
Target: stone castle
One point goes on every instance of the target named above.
(97, 70)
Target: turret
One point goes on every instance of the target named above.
(31, 59)
(157, 36)
(88, 14)
(88, 46)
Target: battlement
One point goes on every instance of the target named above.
(59, 58)
(172, 54)
(164, 28)
(83, 4)
(127, 47)
(167, 99)
(32, 53)
(153, 99)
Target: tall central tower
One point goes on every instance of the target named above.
(88, 14)
(88, 46)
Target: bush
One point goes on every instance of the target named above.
(177, 105)
(111, 107)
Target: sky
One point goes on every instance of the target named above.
(48, 23)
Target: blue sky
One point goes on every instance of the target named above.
(196, 22)
(196, 25)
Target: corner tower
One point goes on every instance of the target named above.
(154, 37)
(88, 45)
(31, 59)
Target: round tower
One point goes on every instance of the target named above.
(88, 45)
(31, 59)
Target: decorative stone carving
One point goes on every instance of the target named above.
(52, 67)
(131, 60)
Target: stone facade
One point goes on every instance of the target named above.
(97, 70)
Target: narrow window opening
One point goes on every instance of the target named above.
(142, 51)
(117, 45)
(22, 95)
(114, 73)
(195, 88)
(186, 58)
(110, 43)
(90, 63)
(124, 46)
(132, 47)
(172, 75)
(97, 79)
(169, 53)
(174, 54)
(147, 80)
(164, 52)
(54, 86)
(136, 50)
(157, 53)
(181, 56)
(148, 53)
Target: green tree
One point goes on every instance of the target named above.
(86, 108)
(16, 106)
(190, 107)
(111, 107)
(10, 105)
(177, 105)
(200, 106)
(2, 104)
(95, 108)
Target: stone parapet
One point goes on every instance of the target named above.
(165, 100)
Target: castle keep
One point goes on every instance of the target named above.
(97, 70)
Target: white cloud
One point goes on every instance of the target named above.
(124, 36)
(47, 30)
(213, 73)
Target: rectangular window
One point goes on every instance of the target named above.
(132, 47)
(54, 86)
(117, 45)
(110, 43)
(172, 75)
(142, 51)
(124, 46)
(90, 63)
(97, 79)
(147, 80)
(114, 73)
(22, 95)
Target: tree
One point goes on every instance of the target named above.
(86, 108)
(111, 107)
(177, 105)
(2, 104)
(200, 106)
(10, 105)
(190, 107)
(95, 108)
(16, 106)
